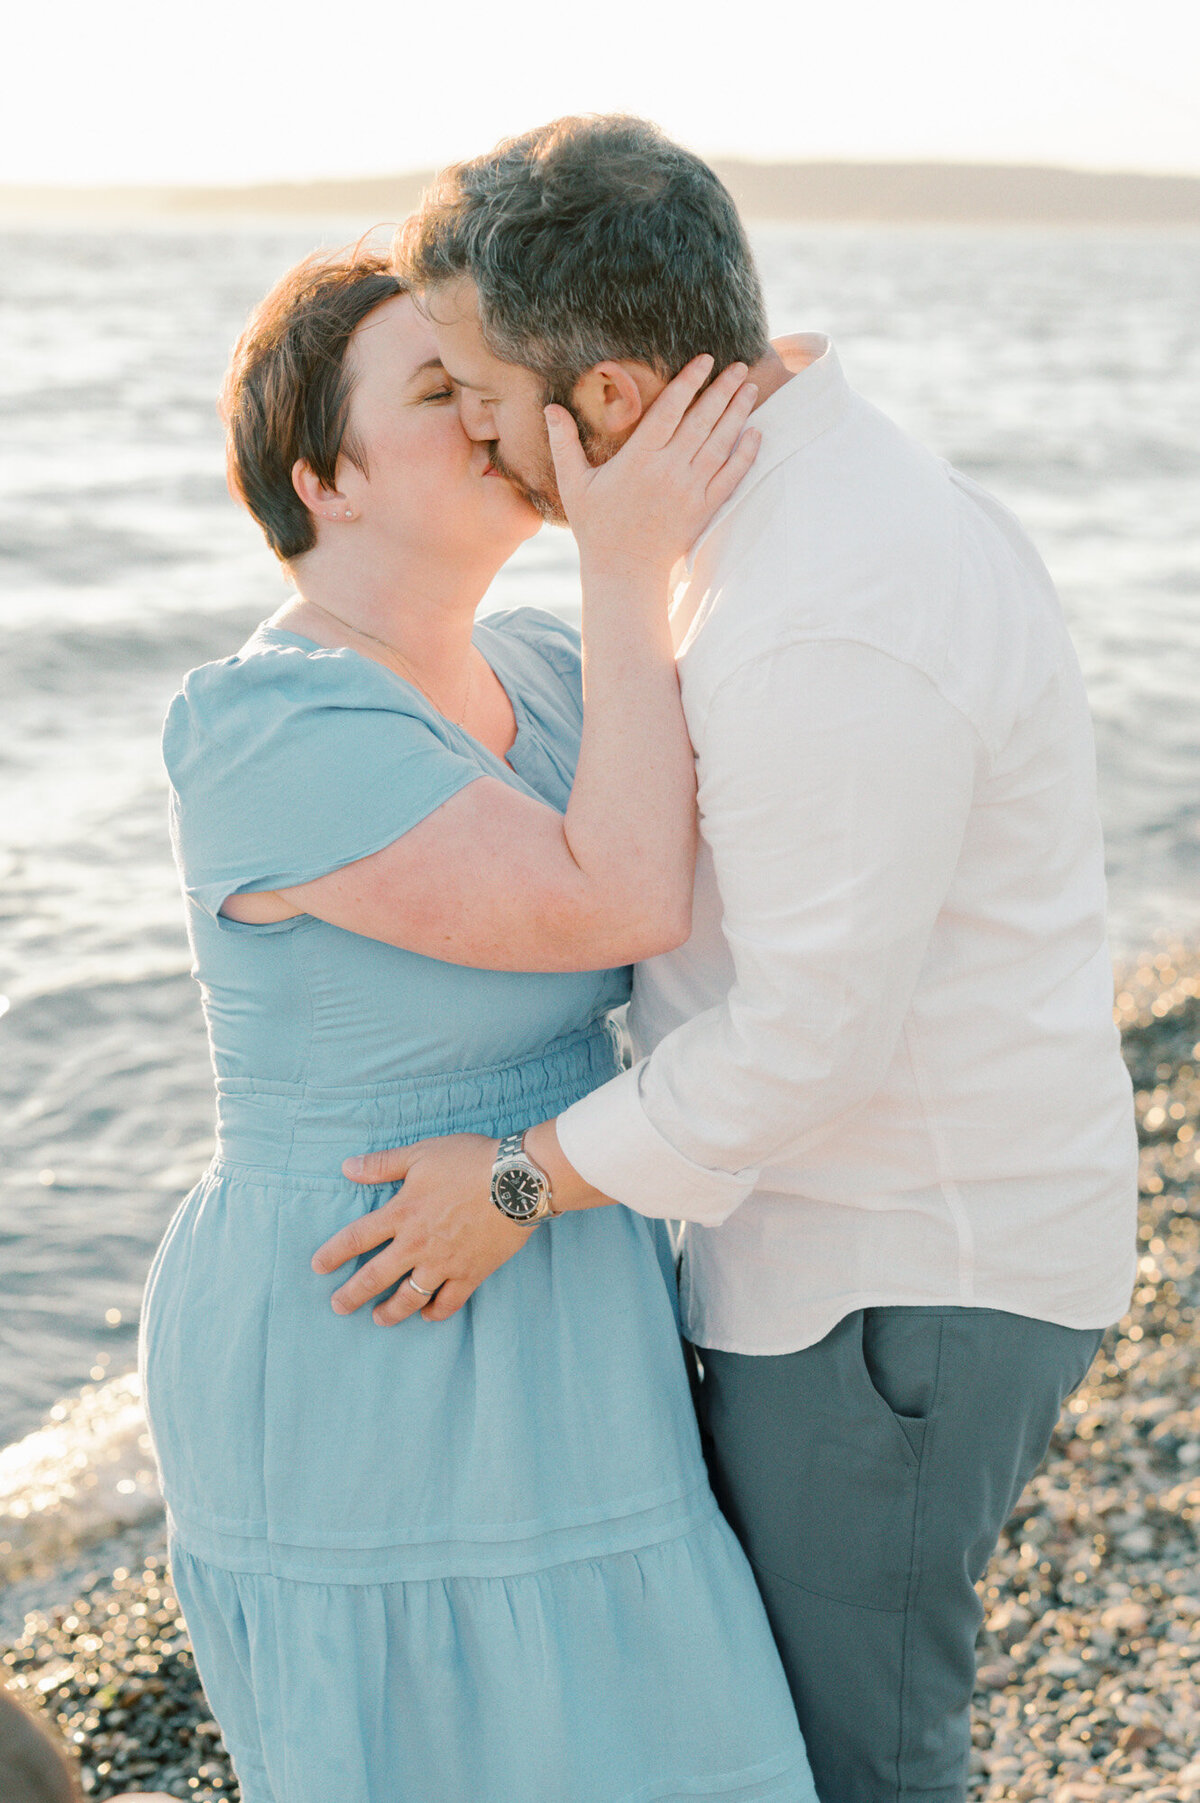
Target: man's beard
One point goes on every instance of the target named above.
(541, 490)
(542, 493)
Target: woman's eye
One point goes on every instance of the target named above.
(441, 394)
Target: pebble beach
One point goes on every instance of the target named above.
(1089, 1660)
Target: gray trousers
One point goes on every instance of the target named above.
(868, 1478)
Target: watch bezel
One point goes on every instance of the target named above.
(521, 1161)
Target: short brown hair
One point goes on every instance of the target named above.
(592, 238)
(286, 393)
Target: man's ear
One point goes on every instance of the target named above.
(612, 397)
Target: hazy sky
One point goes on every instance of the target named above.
(250, 90)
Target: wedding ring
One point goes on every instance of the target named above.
(413, 1284)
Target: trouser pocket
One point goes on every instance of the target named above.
(815, 1468)
(902, 1362)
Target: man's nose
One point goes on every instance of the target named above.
(475, 415)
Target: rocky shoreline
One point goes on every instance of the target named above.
(1089, 1679)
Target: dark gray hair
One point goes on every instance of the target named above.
(587, 239)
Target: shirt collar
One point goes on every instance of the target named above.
(792, 417)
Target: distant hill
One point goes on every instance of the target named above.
(370, 199)
(960, 193)
(878, 193)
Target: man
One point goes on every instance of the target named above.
(881, 1081)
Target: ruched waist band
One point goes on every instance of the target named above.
(297, 1128)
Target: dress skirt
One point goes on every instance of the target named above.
(609, 1680)
(470, 1561)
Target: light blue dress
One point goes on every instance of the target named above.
(468, 1562)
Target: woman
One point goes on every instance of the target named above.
(476, 1561)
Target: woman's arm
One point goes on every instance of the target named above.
(495, 879)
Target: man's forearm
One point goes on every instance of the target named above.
(570, 1190)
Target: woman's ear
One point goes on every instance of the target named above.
(325, 503)
(612, 397)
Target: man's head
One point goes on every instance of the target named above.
(583, 263)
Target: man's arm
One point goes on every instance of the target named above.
(835, 787)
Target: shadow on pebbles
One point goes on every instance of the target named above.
(1089, 1659)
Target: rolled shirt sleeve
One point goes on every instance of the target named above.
(835, 787)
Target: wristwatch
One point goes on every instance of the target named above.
(520, 1189)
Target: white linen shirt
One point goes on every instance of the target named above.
(884, 1068)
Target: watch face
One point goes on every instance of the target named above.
(518, 1193)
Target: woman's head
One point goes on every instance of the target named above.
(337, 409)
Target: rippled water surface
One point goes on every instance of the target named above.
(1063, 371)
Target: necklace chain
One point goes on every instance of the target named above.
(360, 632)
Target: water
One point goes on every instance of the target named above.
(1062, 370)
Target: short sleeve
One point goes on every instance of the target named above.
(287, 763)
(549, 638)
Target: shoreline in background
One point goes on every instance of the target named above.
(1089, 1658)
(821, 192)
